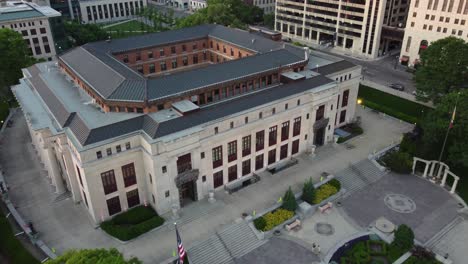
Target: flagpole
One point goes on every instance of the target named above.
(448, 130)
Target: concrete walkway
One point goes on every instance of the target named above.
(65, 225)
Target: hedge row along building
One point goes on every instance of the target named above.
(164, 118)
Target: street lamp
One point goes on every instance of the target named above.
(359, 101)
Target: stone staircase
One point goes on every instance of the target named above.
(358, 175)
(226, 245)
(433, 243)
(240, 239)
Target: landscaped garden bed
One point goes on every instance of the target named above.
(132, 223)
(352, 129)
(321, 194)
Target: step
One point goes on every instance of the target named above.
(211, 250)
(432, 243)
(240, 239)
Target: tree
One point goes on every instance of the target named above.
(233, 13)
(289, 201)
(435, 126)
(84, 33)
(269, 20)
(443, 69)
(15, 56)
(308, 191)
(404, 238)
(93, 256)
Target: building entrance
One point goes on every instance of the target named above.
(187, 193)
(319, 136)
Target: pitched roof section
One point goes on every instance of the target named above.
(97, 74)
(231, 70)
(114, 80)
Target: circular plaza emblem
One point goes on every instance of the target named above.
(400, 203)
(324, 229)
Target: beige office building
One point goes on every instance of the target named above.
(431, 20)
(360, 28)
(162, 119)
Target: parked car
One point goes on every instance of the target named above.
(397, 86)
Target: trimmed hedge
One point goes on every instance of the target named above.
(260, 223)
(335, 183)
(132, 223)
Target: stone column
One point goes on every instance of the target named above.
(439, 171)
(444, 179)
(425, 170)
(54, 172)
(454, 186)
(71, 174)
(432, 165)
(414, 164)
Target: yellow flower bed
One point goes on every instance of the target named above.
(323, 192)
(277, 217)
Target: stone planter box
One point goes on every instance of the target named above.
(268, 234)
(314, 207)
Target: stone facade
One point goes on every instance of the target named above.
(100, 11)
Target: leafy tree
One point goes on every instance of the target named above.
(15, 56)
(404, 238)
(308, 191)
(84, 33)
(269, 20)
(443, 69)
(435, 126)
(289, 201)
(93, 256)
(233, 13)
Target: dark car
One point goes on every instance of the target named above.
(397, 86)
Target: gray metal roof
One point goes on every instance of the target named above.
(113, 80)
(11, 16)
(334, 67)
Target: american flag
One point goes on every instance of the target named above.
(180, 247)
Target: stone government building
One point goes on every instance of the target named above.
(164, 118)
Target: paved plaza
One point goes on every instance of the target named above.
(403, 199)
(63, 224)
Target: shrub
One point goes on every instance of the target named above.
(132, 223)
(335, 183)
(341, 140)
(404, 238)
(260, 223)
(394, 253)
(323, 192)
(289, 201)
(399, 162)
(277, 217)
(373, 244)
(358, 253)
(308, 191)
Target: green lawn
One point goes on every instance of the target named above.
(392, 105)
(10, 247)
(131, 25)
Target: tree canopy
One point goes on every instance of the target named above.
(443, 69)
(234, 13)
(435, 126)
(15, 56)
(82, 34)
(93, 256)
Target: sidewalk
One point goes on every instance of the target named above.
(64, 225)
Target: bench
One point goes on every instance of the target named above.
(283, 166)
(325, 207)
(294, 225)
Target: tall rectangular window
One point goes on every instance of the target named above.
(218, 179)
(295, 147)
(297, 126)
(284, 151)
(272, 135)
(246, 167)
(246, 145)
(408, 44)
(163, 66)
(232, 150)
(260, 140)
(113, 205)
(184, 163)
(84, 198)
(232, 173)
(345, 98)
(285, 131)
(342, 116)
(271, 156)
(217, 156)
(108, 182)
(259, 162)
(79, 175)
(133, 198)
(129, 176)
(320, 113)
